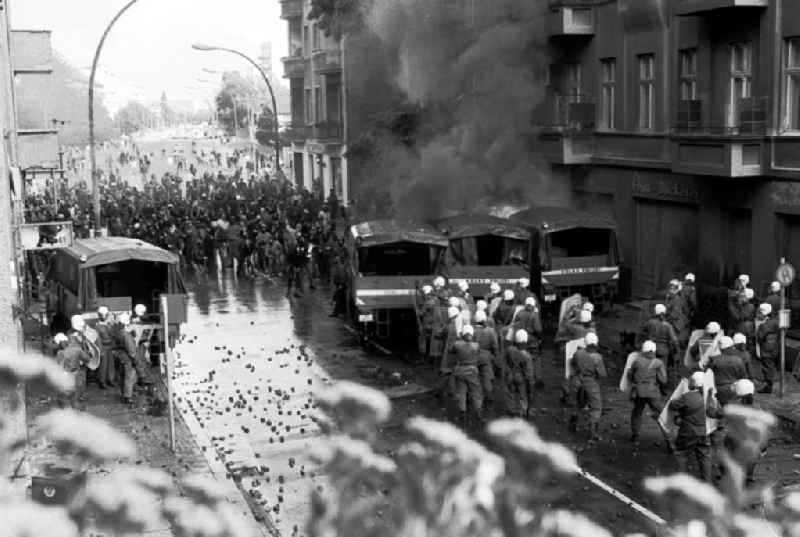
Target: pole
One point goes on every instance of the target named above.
(92, 155)
(783, 338)
(168, 371)
(271, 94)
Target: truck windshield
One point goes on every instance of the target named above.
(488, 251)
(582, 246)
(398, 259)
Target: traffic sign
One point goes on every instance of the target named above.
(785, 274)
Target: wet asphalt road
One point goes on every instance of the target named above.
(252, 358)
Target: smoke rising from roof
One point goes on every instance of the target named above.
(476, 68)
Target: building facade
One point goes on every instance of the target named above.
(315, 71)
(680, 119)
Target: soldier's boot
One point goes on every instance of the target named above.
(573, 423)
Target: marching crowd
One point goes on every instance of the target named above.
(488, 352)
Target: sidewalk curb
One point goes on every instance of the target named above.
(233, 491)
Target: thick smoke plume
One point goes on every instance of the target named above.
(476, 69)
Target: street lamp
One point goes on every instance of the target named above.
(92, 155)
(208, 48)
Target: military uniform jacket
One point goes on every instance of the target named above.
(767, 336)
(105, 333)
(662, 334)
(466, 354)
(72, 357)
(647, 375)
(588, 365)
(743, 316)
(728, 367)
(520, 365)
(487, 341)
(691, 410)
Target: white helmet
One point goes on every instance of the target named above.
(765, 309)
(480, 316)
(530, 301)
(585, 316)
(102, 311)
(744, 387)
(60, 338)
(77, 322)
(438, 281)
(124, 318)
(648, 346)
(725, 342)
(698, 379)
(452, 312)
(674, 283)
(749, 293)
(427, 289)
(588, 306)
(463, 285)
(453, 302)
(775, 287)
(713, 327)
(521, 336)
(524, 282)
(689, 277)
(739, 339)
(508, 294)
(467, 330)
(139, 310)
(591, 339)
(660, 309)
(494, 287)
(481, 305)
(744, 279)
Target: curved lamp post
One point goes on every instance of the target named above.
(208, 48)
(92, 155)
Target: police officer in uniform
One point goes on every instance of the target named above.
(728, 368)
(466, 380)
(648, 377)
(660, 331)
(768, 346)
(520, 379)
(105, 337)
(587, 370)
(692, 409)
(488, 349)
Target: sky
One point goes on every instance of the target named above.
(149, 49)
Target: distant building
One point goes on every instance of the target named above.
(681, 119)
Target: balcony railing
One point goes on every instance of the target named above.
(328, 130)
(752, 119)
(298, 130)
(701, 7)
(294, 67)
(327, 61)
(572, 113)
(291, 8)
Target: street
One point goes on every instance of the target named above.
(251, 360)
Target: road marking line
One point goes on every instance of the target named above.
(622, 497)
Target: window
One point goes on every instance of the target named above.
(306, 40)
(315, 33)
(319, 116)
(741, 79)
(574, 80)
(608, 92)
(687, 59)
(647, 85)
(309, 111)
(791, 114)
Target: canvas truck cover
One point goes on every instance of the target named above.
(476, 225)
(75, 267)
(560, 218)
(380, 232)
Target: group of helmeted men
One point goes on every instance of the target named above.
(112, 353)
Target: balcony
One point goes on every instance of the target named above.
(31, 52)
(294, 67)
(567, 137)
(291, 8)
(703, 7)
(722, 151)
(298, 131)
(327, 61)
(571, 18)
(328, 131)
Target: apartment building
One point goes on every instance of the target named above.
(681, 119)
(314, 70)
